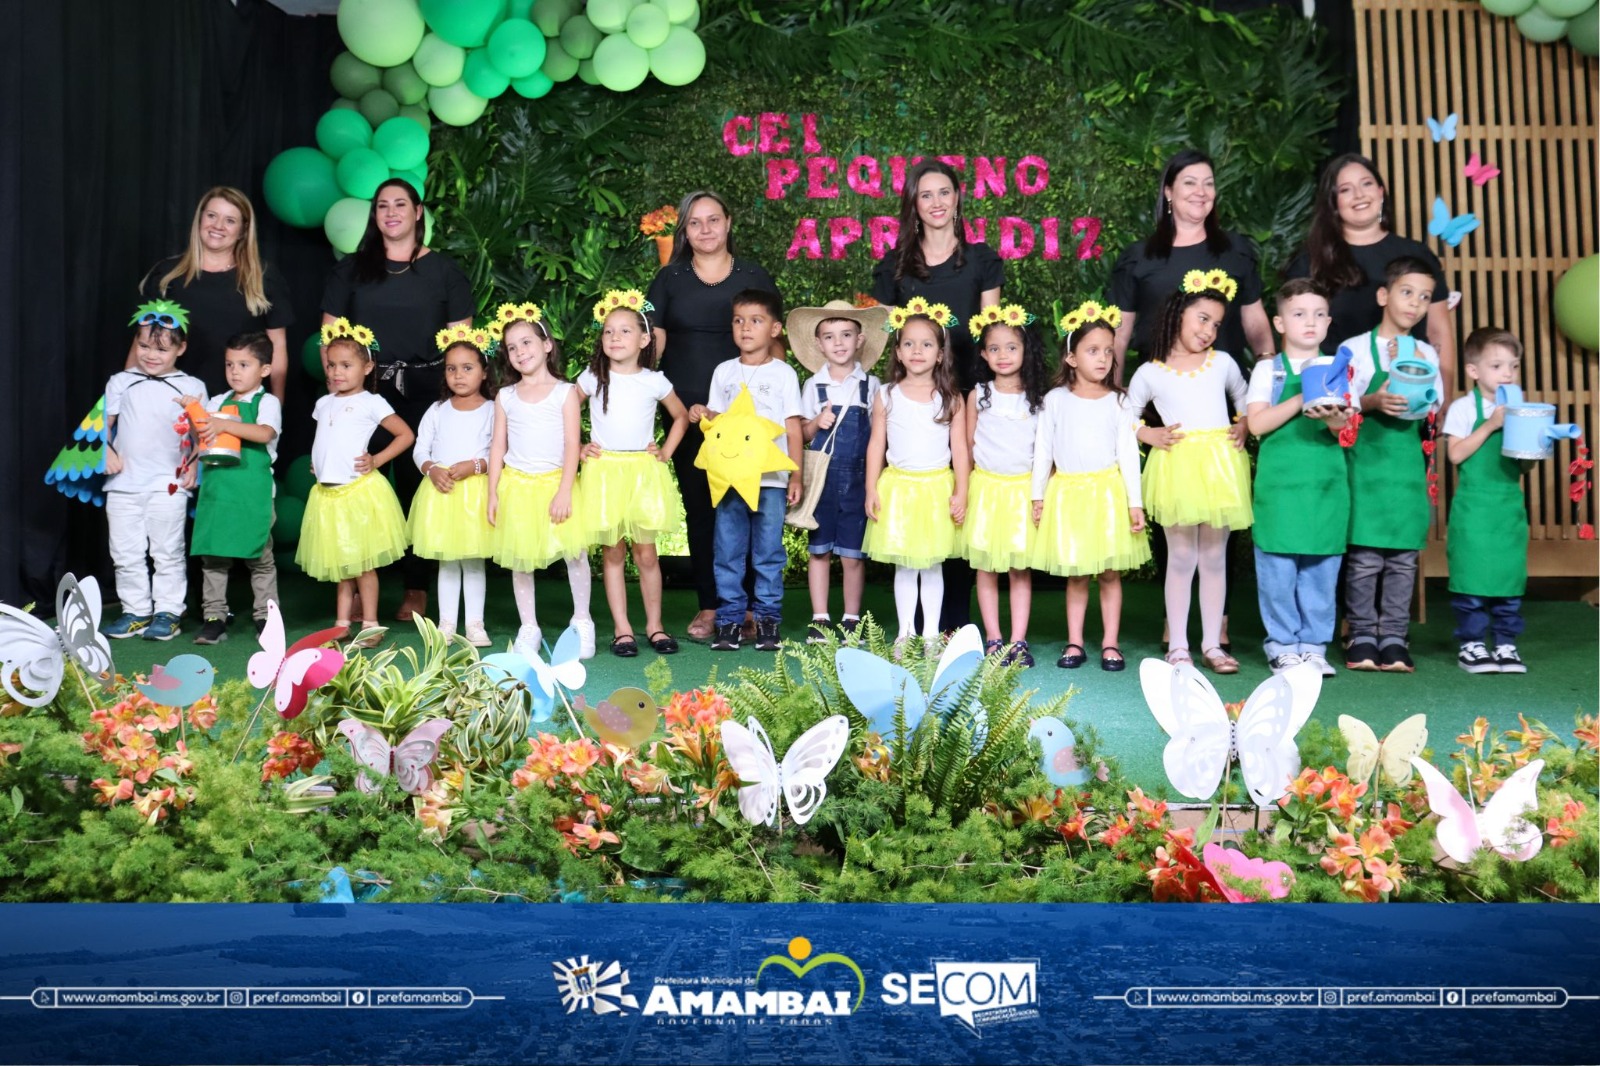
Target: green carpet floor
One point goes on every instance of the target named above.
(1560, 646)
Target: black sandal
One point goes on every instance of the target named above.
(1069, 661)
(623, 646)
(1109, 664)
(663, 642)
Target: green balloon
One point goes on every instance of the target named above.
(346, 223)
(648, 26)
(438, 62)
(1564, 9)
(339, 130)
(518, 9)
(379, 107)
(290, 513)
(680, 11)
(1583, 32)
(586, 72)
(548, 15)
(463, 22)
(579, 37)
(1577, 303)
(680, 59)
(405, 84)
(516, 48)
(533, 86)
(609, 16)
(418, 113)
(361, 171)
(427, 226)
(692, 21)
(342, 104)
(300, 185)
(621, 65)
(558, 64)
(311, 357)
(402, 143)
(456, 105)
(1507, 8)
(481, 77)
(381, 32)
(298, 478)
(351, 77)
(417, 176)
(1537, 26)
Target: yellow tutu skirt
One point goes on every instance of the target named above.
(628, 495)
(454, 524)
(997, 535)
(914, 527)
(350, 529)
(1201, 480)
(523, 537)
(1085, 528)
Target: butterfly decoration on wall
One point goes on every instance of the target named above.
(1060, 758)
(1502, 823)
(541, 679)
(1443, 131)
(410, 762)
(626, 718)
(1451, 229)
(1204, 740)
(800, 779)
(874, 685)
(1391, 756)
(34, 656)
(1480, 172)
(295, 672)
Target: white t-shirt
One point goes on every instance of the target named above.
(1363, 368)
(269, 412)
(1195, 399)
(628, 423)
(846, 393)
(144, 438)
(1002, 442)
(449, 436)
(774, 387)
(1260, 387)
(917, 442)
(536, 433)
(1461, 417)
(1079, 436)
(344, 431)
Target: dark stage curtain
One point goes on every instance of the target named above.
(117, 116)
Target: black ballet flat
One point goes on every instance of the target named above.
(624, 646)
(1068, 660)
(1110, 665)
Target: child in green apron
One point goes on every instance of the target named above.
(1488, 538)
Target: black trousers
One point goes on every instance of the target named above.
(422, 390)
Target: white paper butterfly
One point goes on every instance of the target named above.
(802, 779)
(37, 654)
(1393, 754)
(1502, 824)
(1204, 739)
(296, 672)
(410, 762)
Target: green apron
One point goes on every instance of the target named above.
(1302, 489)
(234, 516)
(1389, 505)
(1487, 541)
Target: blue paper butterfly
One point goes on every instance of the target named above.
(1443, 131)
(1450, 229)
(875, 685)
(565, 669)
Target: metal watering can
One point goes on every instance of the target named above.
(1325, 380)
(1530, 428)
(1414, 379)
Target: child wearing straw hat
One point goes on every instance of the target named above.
(839, 344)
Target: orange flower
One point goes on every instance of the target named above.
(1474, 738)
(1588, 732)
(578, 756)
(288, 752)
(1394, 823)
(110, 794)
(648, 779)
(203, 713)
(593, 838)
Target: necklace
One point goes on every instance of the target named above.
(393, 273)
(693, 265)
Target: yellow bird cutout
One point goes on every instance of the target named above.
(740, 447)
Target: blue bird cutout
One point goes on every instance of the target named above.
(1060, 762)
(184, 680)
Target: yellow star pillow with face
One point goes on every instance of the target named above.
(738, 449)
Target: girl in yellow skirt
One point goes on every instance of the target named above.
(628, 493)
(1086, 498)
(533, 474)
(449, 513)
(1197, 479)
(1002, 415)
(353, 523)
(917, 462)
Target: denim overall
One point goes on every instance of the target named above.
(841, 512)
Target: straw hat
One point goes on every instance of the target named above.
(802, 328)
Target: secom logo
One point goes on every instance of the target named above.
(975, 993)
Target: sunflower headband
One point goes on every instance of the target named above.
(528, 312)
(343, 328)
(939, 313)
(485, 340)
(164, 313)
(1211, 281)
(629, 299)
(1087, 312)
(1013, 315)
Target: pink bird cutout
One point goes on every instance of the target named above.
(1275, 878)
(1480, 172)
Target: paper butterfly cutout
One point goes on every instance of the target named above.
(1480, 172)
(1060, 763)
(409, 762)
(37, 654)
(184, 680)
(626, 718)
(1276, 878)
(540, 678)
(1443, 131)
(1204, 738)
(1392, 755)
(1449, 229)
(802, 779)
(874, 685)
(1501, 824)
(296, 673)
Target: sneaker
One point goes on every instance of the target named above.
(848, 627)
(585, 628)
(767, 638)
(447, 630)
(1321, 662)
(1507, 659)
(817, 631)
(1475, 658)
(477, 636)
(1396, 659)
(260, 624)
(727, 637)
(1361, 654)
(529, 642)
(163, 626)
(129, 625)
(1279, 663)
(215, 631)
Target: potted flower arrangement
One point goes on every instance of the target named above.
(661, 224)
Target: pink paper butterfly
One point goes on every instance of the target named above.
(1275, 877)
(295, 673)
(1480, 172)
(1503, 822)
(409, 762)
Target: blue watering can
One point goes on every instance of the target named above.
(1415, 380)
(1530, 428)
(1325, 380)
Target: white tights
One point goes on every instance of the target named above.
(1190, 548)
(460, 578)
(578, 580)
(906, 581)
